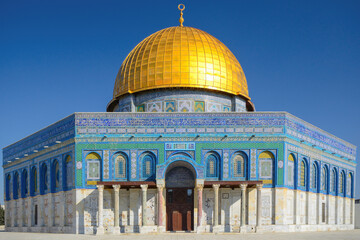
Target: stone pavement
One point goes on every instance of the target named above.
(338, 235)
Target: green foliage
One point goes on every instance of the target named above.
(2, 216)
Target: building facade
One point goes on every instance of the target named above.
(180, 148)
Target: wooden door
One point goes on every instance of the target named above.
(179, 209)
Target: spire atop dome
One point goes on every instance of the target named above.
(181, 7)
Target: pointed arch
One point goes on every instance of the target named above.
(7, 187)
(342, 183)
(334, 181)
(93, 166)
(55, 176)
(303, 174)
(44, 178)
(148, 164)
(266, 167)
(16, 186)
(67, 172)
(212, 160)
(34, 181)
(24, 183)
(291, 170)
(325, 179)
(349, 185)
(239, 162)
(120, 160)
(315, 176)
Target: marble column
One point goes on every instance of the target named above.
(161, 222)
(144, 188)
(100, 228)
(116, 209)
(216, 204)
(243, 204)
(258, 207)
(200, 188)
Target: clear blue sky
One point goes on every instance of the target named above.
(61, 57)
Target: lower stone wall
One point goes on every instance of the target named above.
(55, 213)
(283, 210)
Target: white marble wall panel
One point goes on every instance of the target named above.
(341, 212)
(267, 205)
(124, 207)
(208, 206)
(302, 208)
(151, 207)
(135, 207)
(235, 209)
(313, 208)
(225, 207)
(290, 210)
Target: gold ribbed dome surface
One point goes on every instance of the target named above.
(181, 57)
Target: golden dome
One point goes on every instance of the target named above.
(181, 57)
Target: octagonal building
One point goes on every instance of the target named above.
(180, 148)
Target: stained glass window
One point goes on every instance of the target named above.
(120, 166)
(314, 176)
(16, 186)
(238, 166)
(25, 182)
(148, 166)
(93, 166)
(8, 180)
(211, 169)
(333, 180)
(302, 173)
(57, 174)
(341, 183)
(68, 170)
(266, 160)
(324, 179)
(348, 185)
(290, 170)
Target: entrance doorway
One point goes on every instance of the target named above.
(180, 182)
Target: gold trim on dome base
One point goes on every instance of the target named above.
(181, 57)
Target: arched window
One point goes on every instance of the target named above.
(239, 165)
(212, 168)
(349, 185)
(341, 182)
(16, 186)
(93, 166)
(24, 183)
(333, 180)
(68, 172)
(7, 187)
(44, 179)
(266, 165)
(324, 178)
(314, 176)
(303, 174)
(148, 167)
(55, 175)
(290, 170)
(120, 166)
(34, 181)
